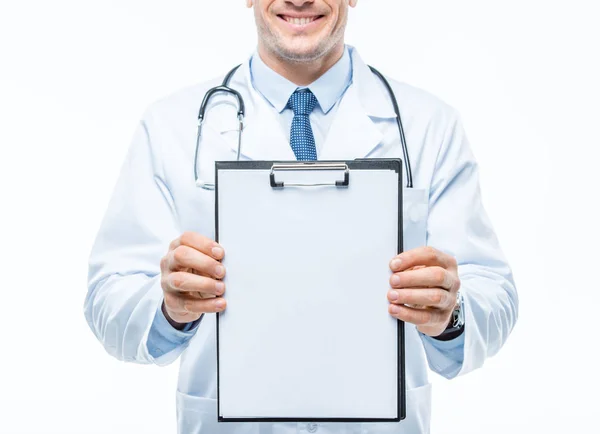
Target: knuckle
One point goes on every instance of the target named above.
(164, 283)
(456, 285)
(436, 297)
(164, 262)
(187, 238)
(439, 275)
(431, 253)
(176, 280)
(181, 254)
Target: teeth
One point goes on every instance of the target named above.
(299, 21)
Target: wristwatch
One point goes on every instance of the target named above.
(456, 326)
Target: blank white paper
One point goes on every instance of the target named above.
(306, 332)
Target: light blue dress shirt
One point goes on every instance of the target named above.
(329, 90)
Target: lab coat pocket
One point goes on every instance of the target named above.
(198, 415)
(418, 414)
(415, 211)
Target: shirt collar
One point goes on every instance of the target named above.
(276, 89)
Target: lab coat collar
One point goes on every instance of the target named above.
(353, 134)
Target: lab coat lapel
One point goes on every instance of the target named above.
(353, 133)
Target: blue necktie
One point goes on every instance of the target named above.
(302, 102)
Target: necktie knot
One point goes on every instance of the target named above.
(302, 102)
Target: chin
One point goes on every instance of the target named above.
(300, 55)
(302, 51)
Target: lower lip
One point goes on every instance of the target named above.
(311, 25)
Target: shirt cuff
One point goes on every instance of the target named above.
(448, 346)
(164, 338)
(445, 357)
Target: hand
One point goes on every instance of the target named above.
(424, 287)
(190, 279)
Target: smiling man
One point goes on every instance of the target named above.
(155, 277)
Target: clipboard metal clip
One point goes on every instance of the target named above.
(310, 166)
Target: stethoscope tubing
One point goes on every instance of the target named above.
(224, 88)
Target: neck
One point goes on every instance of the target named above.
(301, 73)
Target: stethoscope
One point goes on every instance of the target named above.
(224, 88)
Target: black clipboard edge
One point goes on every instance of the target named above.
(394, 164)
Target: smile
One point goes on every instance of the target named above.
(300, 21)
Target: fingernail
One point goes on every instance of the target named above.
(217, 252)
(394, 309)
(395, 280)
(220, 304)
(220, 287)
(396, 264)
(393, 295)
(219, 270)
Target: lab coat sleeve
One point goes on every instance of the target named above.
(458, 225)
(122, 306)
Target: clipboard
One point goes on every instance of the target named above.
(306, 336)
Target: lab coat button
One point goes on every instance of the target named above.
(312, 427)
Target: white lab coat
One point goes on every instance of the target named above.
(155, 200)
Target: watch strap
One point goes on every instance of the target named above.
(456, 326)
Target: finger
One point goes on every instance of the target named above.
(200, 243)
(418, 317)
(429, 277)
(429, 297)
(184, 257)
(187, 282)
(211, 305)
(426, 255)
(179, 302)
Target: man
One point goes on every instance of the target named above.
(155, 271)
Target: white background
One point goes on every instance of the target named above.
(75, 78)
